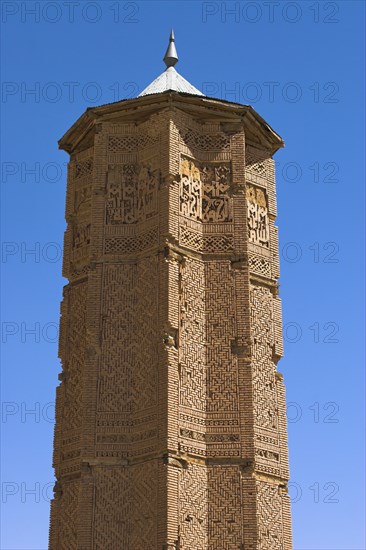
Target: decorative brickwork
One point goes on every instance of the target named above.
(131, 193)
(193, 368)
(118, 490)
(258, 226)
(204, 191)
(170, 416)
(224, 507)
(193, 507)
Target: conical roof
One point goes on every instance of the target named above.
(170, 79)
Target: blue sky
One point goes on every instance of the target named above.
(300, 65)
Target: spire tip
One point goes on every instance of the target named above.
(171, 56)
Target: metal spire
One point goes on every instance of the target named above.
(171, 56)
(170, 79)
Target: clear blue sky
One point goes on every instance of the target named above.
(300, 64)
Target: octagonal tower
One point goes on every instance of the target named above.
(170, 416)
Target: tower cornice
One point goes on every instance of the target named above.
(256, 128)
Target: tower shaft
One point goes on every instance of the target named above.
(170, 416)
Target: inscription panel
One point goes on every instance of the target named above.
(258, 223)
(132, 193)
(204, 191)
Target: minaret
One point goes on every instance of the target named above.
(170, 415)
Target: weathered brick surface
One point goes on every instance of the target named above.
(170, 416)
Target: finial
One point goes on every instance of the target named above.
(171, 56)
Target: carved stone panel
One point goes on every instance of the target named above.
(204, 190)
(131, 193)
(258, 222)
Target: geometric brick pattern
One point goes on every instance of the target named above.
(170, 415)
(112, 497)
(205, 142)
(130, 244)
(117, 348)
(193, 507)
(129, 142)
(68, 515)
(224, 495)
(205, 243)
(263, 368)
(221, 330)
(260, 265)
(76, 340)
(193, 368)
(269, 508)
(118, 490)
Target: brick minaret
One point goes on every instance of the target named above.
(170, 418)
